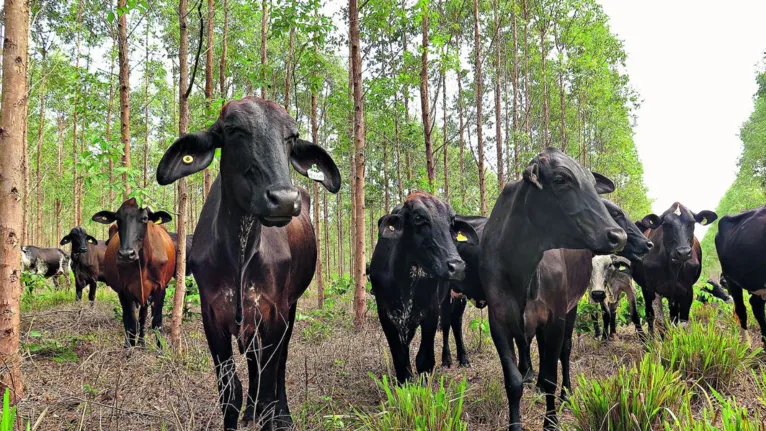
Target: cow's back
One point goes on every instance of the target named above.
(741, 246)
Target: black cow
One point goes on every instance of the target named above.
(672, 267)
(741, 251)
(87, 261)
(716, 290)
(556, 205)
(411, 266)
(189, 242)
(47, 262)
(254, 250)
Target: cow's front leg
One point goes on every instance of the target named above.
(129, 319)
(758, 311)
(426, 358)
(740, 312)
(399, 344)
(229, 386)
(445, 309)
(158, 301)
(143, 310)
(456, 320)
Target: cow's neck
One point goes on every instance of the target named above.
(238, 230)
(404, 266)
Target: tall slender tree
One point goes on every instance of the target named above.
(264, 41)
(479, 103)
(40, 137)
(183, 128)
(498, 110)
(13, 109)
(360, 300)
(124, 64)
(76, 198)
(207, 178)
(424, 105)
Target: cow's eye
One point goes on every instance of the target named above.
(419, 219)
(559, 180)
(144, 219)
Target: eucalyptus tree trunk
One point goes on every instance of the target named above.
(76, 200)
(207, 177)
(479, 135)
(397, 137)
(40, 136)
(317, 226)
(360, 301)
(183, 127)
(109, 109)
(224, 50)
(146, 102)
(461, 119)
(498, 110)
(424, 105)
(516, 95)
(444, 146)
(122, 48)
(264, 39)
(13, 110)
(59, 170)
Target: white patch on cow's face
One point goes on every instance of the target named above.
(25, 261)
(598, 277)
(678, 210)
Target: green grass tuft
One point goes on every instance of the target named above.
(639, 398)
(420, 406)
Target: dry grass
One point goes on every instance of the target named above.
(107, 387)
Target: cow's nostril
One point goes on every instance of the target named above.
(650, 245)
(617, 238)
(598, 295)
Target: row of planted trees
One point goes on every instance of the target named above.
(449, 96)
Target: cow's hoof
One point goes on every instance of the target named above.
(446, 364)
(465, 364)
(249, 415)
(744, 337)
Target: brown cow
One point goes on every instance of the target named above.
(254, 249)
(139, 262)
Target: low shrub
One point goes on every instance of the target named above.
(638, 398)
(760, 381)
(426, 405)
(703, 352)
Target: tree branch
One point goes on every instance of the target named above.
(199, 49)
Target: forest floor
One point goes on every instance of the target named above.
(78, 376)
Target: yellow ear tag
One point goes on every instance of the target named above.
(704, 221)
(391, 228)
(622, 267)
(188, 159)
(461, 237)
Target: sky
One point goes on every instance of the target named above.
(694, 65)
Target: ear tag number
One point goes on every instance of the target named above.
(315, 174)
(461, 238)
(188, 159)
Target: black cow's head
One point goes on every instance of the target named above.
(428, 229)
(565, 197)
(678, 230)
(258, 142)
(131, 226)
(79, 239)
(637, 245)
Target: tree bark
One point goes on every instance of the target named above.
(75, 106)
(183, 127)
(224, 49)
(461, 118)
(515, 83)
(59, 170)
(479, 97)
(264, 37)
(40, 135)
(498, 109)
(207, 177)
(424, 104)
(546, 99)
(289, 69)
(397, 137)
(444, 147)
(527, 101)
(339, 216)
(109, 109)
(146, 102)
(13, 110)
(360, 301)
(122, 49)
(315, 139)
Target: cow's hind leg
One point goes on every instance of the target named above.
(758, 303)
(229, 386)
(566, 353)
(605, 318)
(282, 388)
(129, 319)
(425, 360)
(649, 310)
(445, 311)
(456, 320)
(740, 312)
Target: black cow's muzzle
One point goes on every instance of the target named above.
(128, 255)
(681, 254)
(598, 295)
(455, 269)
(278, 205)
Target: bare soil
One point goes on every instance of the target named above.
(108, 387)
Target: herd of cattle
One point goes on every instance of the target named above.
(549, 240)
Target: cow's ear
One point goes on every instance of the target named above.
(705, 217)
(464, 232)
(104, 217)
(312, 161)
(189, 154)
(532, 174)
(66, 240)
(603, 184)
(91, 240)
(391, 226)
(651, 221)
(159, 217)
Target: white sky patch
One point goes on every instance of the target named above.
(694, 64)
